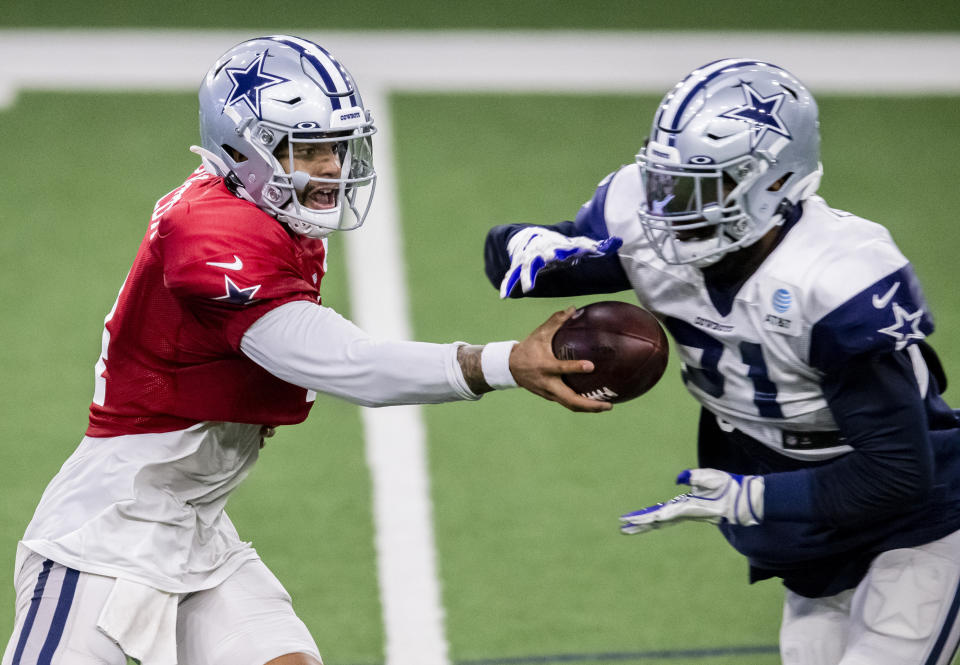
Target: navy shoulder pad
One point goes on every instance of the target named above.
(888, 315)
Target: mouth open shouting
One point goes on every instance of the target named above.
(320, 197)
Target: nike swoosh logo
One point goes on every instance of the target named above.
(881, 302)
(238, 264)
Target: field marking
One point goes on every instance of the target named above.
(396, 441)
(504, 61)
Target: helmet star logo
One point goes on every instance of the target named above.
(249, 84)
(761, 112)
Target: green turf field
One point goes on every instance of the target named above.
(814, 15)
(525, 494)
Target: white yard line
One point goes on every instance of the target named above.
(508, 60)
(395, 437)
(568, 62)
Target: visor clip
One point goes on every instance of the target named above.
(299, 180)
(713, 213)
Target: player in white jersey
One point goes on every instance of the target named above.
(827, 456)
(218, 336)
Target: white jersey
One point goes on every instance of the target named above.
(835, 286)
(149, 507)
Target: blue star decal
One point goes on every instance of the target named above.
(761, 112)
(906, 326)
(237, 296)
(249, 84)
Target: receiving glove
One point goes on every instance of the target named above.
(715, 496)
(534, 248)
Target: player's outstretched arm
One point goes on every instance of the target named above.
(515, 255)
(313, 347)
(535, 368)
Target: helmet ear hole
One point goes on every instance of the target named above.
(776, 186)
(237, 156)
(729, 183)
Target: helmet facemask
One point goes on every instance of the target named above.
(694, 213)
(348, 197)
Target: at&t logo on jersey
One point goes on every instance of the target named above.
(781, 301)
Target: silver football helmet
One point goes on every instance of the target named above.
(283, 92)
(732, 146)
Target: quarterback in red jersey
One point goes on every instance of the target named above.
(208, 268)
(218, 335)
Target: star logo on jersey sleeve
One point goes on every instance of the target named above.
(237, 296)
(250, 82)
(761, 112)
(905, 327)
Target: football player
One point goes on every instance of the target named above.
(218, 336)
(828, 457)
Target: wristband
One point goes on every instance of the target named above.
(495, 365)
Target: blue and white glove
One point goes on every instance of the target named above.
(715, 496)
(533, 248)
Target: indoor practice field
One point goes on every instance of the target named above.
(525, 496)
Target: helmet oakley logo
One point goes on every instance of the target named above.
(308, 125)
(782, 300)
(249, 84)
(702, 159)
(761, 112)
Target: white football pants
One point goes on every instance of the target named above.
(904, 612)
(247, 620)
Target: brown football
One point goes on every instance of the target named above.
(626, 343)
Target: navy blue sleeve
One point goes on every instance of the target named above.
(889, 315)
(586, 276)
(877, 406)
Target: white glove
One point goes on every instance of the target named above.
(715, 496)
(535, 247)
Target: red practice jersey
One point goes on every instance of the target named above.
(209, 266)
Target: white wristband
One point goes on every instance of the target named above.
(495, 364)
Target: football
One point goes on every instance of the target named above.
(626, 343)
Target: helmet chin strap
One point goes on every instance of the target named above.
(698, 253)
(303, 228)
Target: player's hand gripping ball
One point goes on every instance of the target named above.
(628, 348)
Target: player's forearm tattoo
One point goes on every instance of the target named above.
(469, 358)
